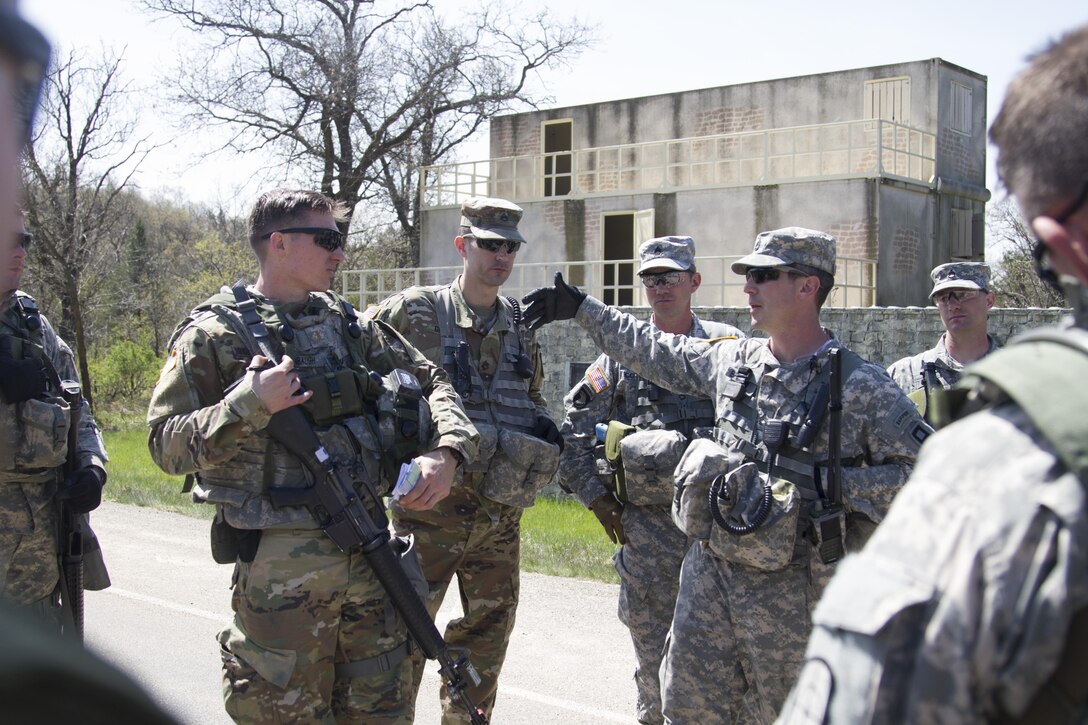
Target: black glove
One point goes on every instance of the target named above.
(20, 380)
(546, 430)
(548, 304)
(82, 490)
(608, 510)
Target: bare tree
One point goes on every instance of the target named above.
(354, 95)
(1015, 280)
(78, 166)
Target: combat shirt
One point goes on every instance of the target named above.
(197, 425)
(907, 372)
(881, 429)
(616, 400)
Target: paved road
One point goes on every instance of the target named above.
(570, 660)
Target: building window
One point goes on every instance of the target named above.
(961, 108)
(888, 99)
(556, 138)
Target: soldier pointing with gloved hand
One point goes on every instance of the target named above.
(739, 627)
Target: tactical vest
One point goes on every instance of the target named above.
(738, 425)
(1043, 372)
(504, 402)
(324, 341)
(33, 433)
(659, 407)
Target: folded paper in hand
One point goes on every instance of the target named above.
(407, 480)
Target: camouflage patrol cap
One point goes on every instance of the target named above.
(667, 253)
(790, 246)
(492, 218)
(960, 275)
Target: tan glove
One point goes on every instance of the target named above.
(608, 509)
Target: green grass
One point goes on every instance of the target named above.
(558, 537)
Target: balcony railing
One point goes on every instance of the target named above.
(850, 149)
(613, 281)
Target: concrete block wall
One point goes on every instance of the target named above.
(881, 334)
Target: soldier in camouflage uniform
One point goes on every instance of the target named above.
(34, 417)
(477, 336)
(961, 291)
(653, 548)
(746, 592)
(314, 638)
(970, 602)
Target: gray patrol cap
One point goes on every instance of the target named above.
(789, 246)
(667, 253)
(960, 275)
(492, 218)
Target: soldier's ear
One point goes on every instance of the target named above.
(696, 280)
(459, 244)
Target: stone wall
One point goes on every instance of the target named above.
(881, 334)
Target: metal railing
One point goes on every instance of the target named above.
(869, 148)
(612, 281)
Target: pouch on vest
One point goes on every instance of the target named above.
(485, 450)
(614, 433)
(703, 461)
(649, 460)
(743, 498)
(523, 466)
(36, 436)
(335, 396)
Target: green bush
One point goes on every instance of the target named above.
(127, 371)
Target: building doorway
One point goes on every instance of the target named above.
(622, 233)
(557, 143)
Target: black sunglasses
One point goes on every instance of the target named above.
(27, 47)
(759, 275)
(23, 239)
(494, 245)
(330, 239)
(1038, 252)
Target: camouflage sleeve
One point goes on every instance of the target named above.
(91, 448)
(887, 433)
(193, 422)
(412, 313)
(387, 350)
(589, 402)
(677, 362)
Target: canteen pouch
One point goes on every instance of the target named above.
(522, 467)
(649, 461)
(36, 436)
(770, 546)
(485, 450)
(702, 462)
(614, 435)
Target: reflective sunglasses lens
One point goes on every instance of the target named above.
(330, 240)
(759, 275)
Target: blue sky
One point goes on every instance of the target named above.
(643, 48)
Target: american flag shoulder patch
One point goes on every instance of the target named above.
(597, 379)
(371, 312)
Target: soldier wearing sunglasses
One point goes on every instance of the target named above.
(314, 637)
(636, 513)
(961, 292)
(478, 337)
(748, 583)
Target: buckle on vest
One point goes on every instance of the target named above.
(738, 381)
